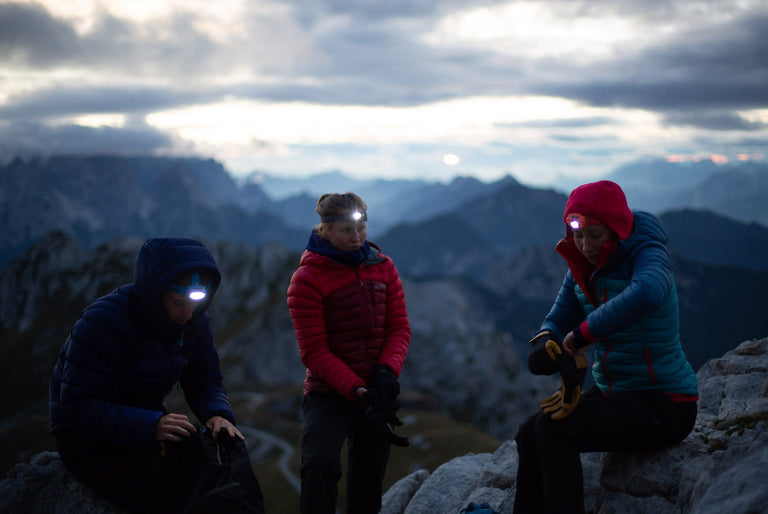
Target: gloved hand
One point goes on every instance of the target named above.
(573, 369)
(384, 382)
(540, 362)
(382, 417)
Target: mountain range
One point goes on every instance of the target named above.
(477, 260)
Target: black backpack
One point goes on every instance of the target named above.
(219, 476)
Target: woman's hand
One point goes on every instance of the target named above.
(174, 427)
(216, 423)
(569, 345)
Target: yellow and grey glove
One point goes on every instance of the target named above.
(540, 362)
(573, 369)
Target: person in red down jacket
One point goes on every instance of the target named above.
(348, 309)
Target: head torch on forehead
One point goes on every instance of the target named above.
(354, 214)
(194, 291)
(577, 221)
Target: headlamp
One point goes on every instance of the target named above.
(194, 291)
(577, 221)
(353, 216)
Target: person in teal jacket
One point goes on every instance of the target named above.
(619, 296)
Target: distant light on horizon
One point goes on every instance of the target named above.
(751, 156)
(451, 159)
(715, 157)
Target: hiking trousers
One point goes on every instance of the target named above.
(329, 420)
(140, 479)
(549, 474)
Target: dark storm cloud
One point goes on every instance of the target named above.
(713, 121)
(31, 139)
(31, 37)
(59, 102)
(723, 65)
(30, 34)
(373, 53)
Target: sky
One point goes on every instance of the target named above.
(540, 90)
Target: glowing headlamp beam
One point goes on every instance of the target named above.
(195, 291)
(197, 295)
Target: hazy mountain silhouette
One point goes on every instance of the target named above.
(478, 263)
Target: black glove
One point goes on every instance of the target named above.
(540, 362)
(573, 369)
(371, 404)
(384, 382)
(383, 419)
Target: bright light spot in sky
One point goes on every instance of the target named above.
(468, 121)
(534, 29)
(101, 120)
(451, 159)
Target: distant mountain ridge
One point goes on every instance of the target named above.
(477, 261)
(97, 198)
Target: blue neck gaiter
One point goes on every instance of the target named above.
(349, 258)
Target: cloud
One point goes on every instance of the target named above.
(29, 34)
(628, 76)
(29, 139)
(721, 121)
(72, 100)
(721, 64)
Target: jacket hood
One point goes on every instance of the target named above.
(603, 200)
(162, 260)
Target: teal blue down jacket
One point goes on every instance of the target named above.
(629, 309)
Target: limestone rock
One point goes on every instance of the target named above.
(718, 468)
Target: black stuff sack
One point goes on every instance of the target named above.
(219, 476)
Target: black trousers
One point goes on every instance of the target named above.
(549, 475)
(144, 479)
(329, 420)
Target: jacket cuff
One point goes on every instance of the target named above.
(582, 335)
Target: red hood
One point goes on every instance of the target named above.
(603, 200)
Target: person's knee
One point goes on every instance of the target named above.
(325, 467)
(526, 435)
(553, 437)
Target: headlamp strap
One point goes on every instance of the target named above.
(353, 215)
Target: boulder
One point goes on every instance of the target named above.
(45, 486)
(716, 469)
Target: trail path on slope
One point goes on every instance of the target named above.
(267, 438)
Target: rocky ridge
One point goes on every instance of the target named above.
(718, 468)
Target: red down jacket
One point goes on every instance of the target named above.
(347, 319)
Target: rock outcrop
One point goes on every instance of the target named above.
(44, 486)
(719, 468)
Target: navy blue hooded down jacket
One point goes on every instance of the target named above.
(124, 356)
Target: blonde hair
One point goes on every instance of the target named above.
(331, 204)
